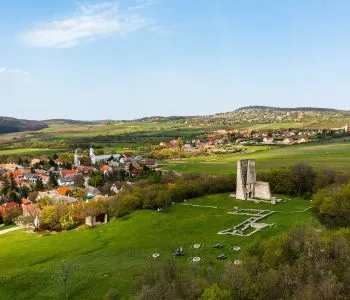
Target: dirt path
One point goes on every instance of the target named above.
(10, 229)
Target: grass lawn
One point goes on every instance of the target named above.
(27, 151)
(113, 255)
(336, 155)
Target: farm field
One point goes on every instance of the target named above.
(111, 256)
(28, 151)
(335, 155)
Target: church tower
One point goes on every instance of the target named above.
(92, 152)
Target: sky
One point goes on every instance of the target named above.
(126, 59)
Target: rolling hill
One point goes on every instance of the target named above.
(307, 117)
(8, 125)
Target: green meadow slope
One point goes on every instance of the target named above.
(111, 257)
(332, 155)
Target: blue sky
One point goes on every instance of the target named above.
(134, 58)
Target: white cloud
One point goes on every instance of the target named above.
(17, 71)
(88, 23)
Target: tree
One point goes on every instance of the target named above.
(214, 292)
(53, 179)
(303, 176)
(9, 215)
(96, 179)
(10, 189)
(332, 206)
(39, 185)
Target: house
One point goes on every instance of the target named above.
(35, 161)
(25, 201)
(188, 148)
(106, 169)
(151, 163)
(10, 167)
(116, 187)
(34, 178)
(239, 140)
(84, 169)
(64, 181)
(303, 140)
(45, 179)
(64, 173)
(64, 191)
(55, 197)
(8, 205)
(288, 141)
(268, 140)
(17, 173)
(165, 144)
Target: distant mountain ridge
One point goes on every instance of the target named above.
(318, 109)
(244, 115)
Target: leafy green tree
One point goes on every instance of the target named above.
(53, 179)
(303, 176)
(96, 179)
(39, 185)
(214, 292)
(10, 189)
(332, 206)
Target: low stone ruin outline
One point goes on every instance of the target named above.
(255, 215)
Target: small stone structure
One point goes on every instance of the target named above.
(96, 220)
(247, 186)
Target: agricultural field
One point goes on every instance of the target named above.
(318, 155)
(110, 257)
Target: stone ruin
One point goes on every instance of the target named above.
(96, 220)
(247, 186)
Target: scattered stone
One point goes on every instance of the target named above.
(196, 259)
(221, 257)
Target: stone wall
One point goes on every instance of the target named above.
(262, 190)
(242, 166)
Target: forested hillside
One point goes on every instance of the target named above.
(8, 125)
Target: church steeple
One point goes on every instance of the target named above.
(92, 152)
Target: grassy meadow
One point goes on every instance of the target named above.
(318, 155)
(111, 256)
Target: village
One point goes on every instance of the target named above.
(54, 180)
(225, 141)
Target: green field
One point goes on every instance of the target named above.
(28, 151)
(113, 255)
(336, 155)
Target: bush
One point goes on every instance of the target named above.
(332, 206)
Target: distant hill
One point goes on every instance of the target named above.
(309, 117)
(8, 125)
(73, 122)
(313, 116)
(305, 109)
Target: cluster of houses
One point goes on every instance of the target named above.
(70, 180)
(218, 140)
(214, 141)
